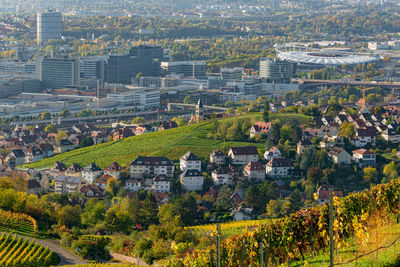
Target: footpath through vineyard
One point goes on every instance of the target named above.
(66, 257)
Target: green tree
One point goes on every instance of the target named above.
(370, 174)
(274, 208)
(113, 186)
(87, 141)
(51, 128)
(61, 135)
(45, 115)
(347, 129)
(138, 120)
(187, 100)
(94, 212)
(65, 113)
(223, 202)
(149, 210)
(390, 171)
(179, 121)
(185, 208)
(69, 216)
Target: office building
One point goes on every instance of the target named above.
(277, 71)
(232, 74)
(93, 68)
(57, 73)
(140, 97)
(140, 59)
(16, 85)
(187, 68)
(49, 26)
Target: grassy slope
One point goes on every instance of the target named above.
(171, 143)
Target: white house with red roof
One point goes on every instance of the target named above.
(114, 169)
(243, 155)
(254, 171)
(364, 157)
(273, 152)
(260, 128)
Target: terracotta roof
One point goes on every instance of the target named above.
(255, 166)
(114, 167)
(262, 126)
(363, 151)
(104, 179)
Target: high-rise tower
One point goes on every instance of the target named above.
(49, 26)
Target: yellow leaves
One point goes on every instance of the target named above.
(315, 196)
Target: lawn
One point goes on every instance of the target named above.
(171, 143)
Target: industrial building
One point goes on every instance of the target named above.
(49, 26)
(56, 73)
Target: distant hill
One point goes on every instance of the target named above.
(172, 143)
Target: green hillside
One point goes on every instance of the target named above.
(171, 143)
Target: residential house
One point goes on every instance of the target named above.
(142, 129)
(133, 185)
(304, 145)
(192, 180)
(91, 172)
(122, 133)
(167, 125)
(221, 176)
(279, 168)
(151, 166)
(33, 154)
(329, 131)
(243, 155)
(16, 157)
(64, 146)
(323, 194)
(47, 150)
(260, 128)
(217, 157)
(254, 171)
(327, 120)
(58, 168)
(161, 183)
(242, 213)
(364, 137)
(273, 152)
(66, 184)
(190, 161)
(339, 156)
(364, 158)
(99, 137)
(114, 169)
(340, 119)
(93, 191)
(34, 187)
(238, 197)
(103, 180)
(391, 135)
(74, 170)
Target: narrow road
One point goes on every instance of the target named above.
(66, 257)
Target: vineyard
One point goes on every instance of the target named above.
(17, 222)
(294, 237)
(229, 228)
(19, 251)
(172, 143)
